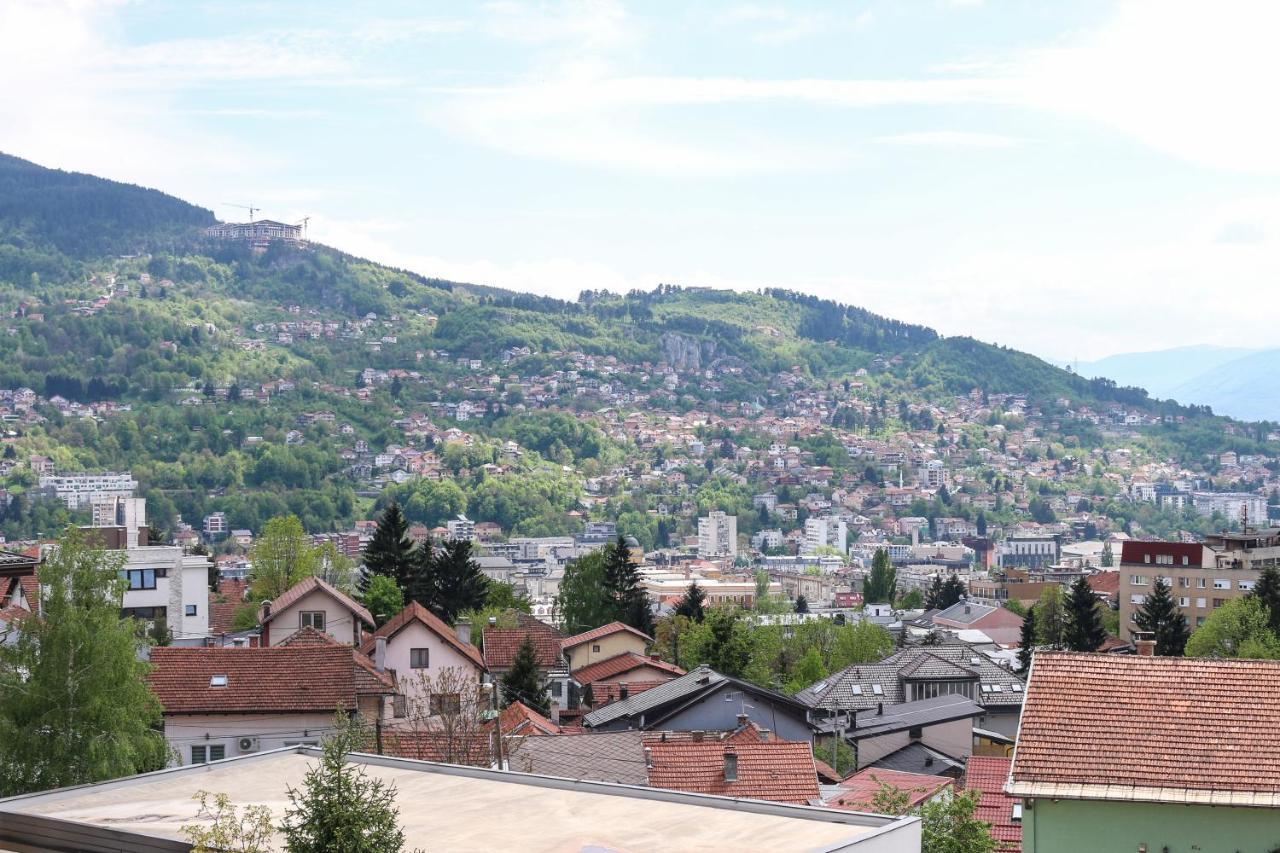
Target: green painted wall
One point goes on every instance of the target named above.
(1075, 826)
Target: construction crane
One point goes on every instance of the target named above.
(252, 210)
(303, 223)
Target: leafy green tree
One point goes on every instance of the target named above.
(223, 828)
(722, 641)
(522, 683)
(339, 806)
(808, 670)
(949, 824)
(1050, 617)
(1084, 631)
(282, 556)
(1027, 641)
(1108, 559)
(383, 598)
(389, 552)
(74, 703)
(864, 642)
(692, 605)
(1267, 590)
(1238, 629)
(583, 601)
(1160, 615)
(881, 584)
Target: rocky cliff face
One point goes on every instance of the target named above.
(686, 353)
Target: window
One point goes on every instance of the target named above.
(1200, 583)
(191, 610)
(419, 658)
(302, 743)
(1146, 558)
(1184, 582)
(1137, 599)
(141, 578)
(1245, 585)
(1016, 816)
(205, 753)
(445, 703)
(1184, 602)
(1015, 687)
(877, 689)
(217, 681)
(856, 689)
(1200, 602)
(1186, 561)
(1222, 583)
(595, 647)
(1199, 621)
(1218, 602)
(311, 619)
(556, 688)
(145, 613)
(1138, 580)
(400, 707)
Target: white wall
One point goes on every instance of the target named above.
(442, 656)
(272, 731)
(339, 622)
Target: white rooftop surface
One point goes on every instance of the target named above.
(457, 810)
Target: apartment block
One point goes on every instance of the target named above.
(718, 535)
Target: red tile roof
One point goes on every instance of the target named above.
(501, 644)
(519, 719)
(1149, 722)
(306, 585)
(988, 774)
(604, 692)
(475, 748)
(368, 679)
(603, 631)
(776, 770)
(610, 668)
(280, 679)
(1104, 583)
(224, 603)
(861, 788)
(415, 612)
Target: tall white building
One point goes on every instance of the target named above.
(129, 513)
(1232, 506)
(718, 535)
(932, 474)
(82, 490)
(825, 531)
(461, 528)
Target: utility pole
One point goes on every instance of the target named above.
(497, 723)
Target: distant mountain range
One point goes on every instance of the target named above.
(1236, 381)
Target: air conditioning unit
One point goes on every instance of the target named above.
(248, 744)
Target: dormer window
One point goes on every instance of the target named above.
(217, 681)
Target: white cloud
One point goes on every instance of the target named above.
(951, 139)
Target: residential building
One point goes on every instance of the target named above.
(129, 513)
(987, 775)
(932, 475)
(164, 584)
(1029, 551)
(258, 232)
(1000, 624)
(933, 736)
(501, 645)
(313, 603)
(222, 702)
(82, 490)
(718, 535)
(216, 526)
(460, 809)
(603, 643)
(825, 532)
(766, 539)
(1236, 507)
(1186, 759)
(415, 647)
(461, 529)
(859, 791)
(777, 770)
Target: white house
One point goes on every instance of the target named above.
(313, 603)
(417, 644)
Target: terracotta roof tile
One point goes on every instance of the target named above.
(519, 719)
(278, 679)
(415, 612)
(988, 774)
(474, 749)
(603, 631)
(310, 584)
(1174, 723)
(224, 603)
(860, 789)
(781, 771)
(368, 679)
(501, 644)
(610, 668)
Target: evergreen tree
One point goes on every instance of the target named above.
(1084, 631)
(1160, 615)
(952, 591)
(1027, 641)
(1050, 620)
(881, 584)
(457, 584)
(389, 552)
(981, 524)
(522, 682)
(340, 807)
(622, 580)
(693, 605)
(1267, 590)
(1107, 560)
(802, 604)
(74, 702)
(933, 598)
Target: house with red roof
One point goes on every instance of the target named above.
(1133, 752)
(416, 647)
(501, 644)
(858, 792)
(223, 702)
(622, 675)
(777, 770)
(987, 775)
(603, 643)
(316, 604)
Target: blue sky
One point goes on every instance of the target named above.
(1073, 179)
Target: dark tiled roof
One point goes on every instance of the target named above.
(611, 668)
(781, 771)
(918, 758)
(598, 756)
(855, 686)
(280, 679)
(415, 612)
(988, 774)
(696, 681)
(1194, 724)
(909, 715)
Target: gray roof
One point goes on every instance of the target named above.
(964, 612)
(690, 684)
(867, 685)
(599, 756)
(918, 758)
(910, 715)
(12, 559)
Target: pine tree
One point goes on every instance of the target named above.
(457, 583)
(802, 604)
(622, 580)
(1084, 631)
(882, 582)
(1050, 620)
(522, 682)
(1160, 615)
(1027, 641)
(389, 552)
(952, 591)
(693, 605)
(933, 598)
(1267, 590)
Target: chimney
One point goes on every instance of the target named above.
(730, 764)
(380, 653)
(463, 630)
(266, 608)
(1145, 642)
(765, 735)
(697, 735)
(879, 709)
(623, 692)
(648, 758)
(928, 760)
(493, 621)
(743, 719)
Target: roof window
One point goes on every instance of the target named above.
(877, 689)
(857, 690)
(217, 681)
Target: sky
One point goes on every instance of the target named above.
(1070, 179)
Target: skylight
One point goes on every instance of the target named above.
(217, 681)
(857, 690)
(1016, 688)
(819, 687)
(996, 688)
(986, 688)
(975, 661)
(877, 689)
